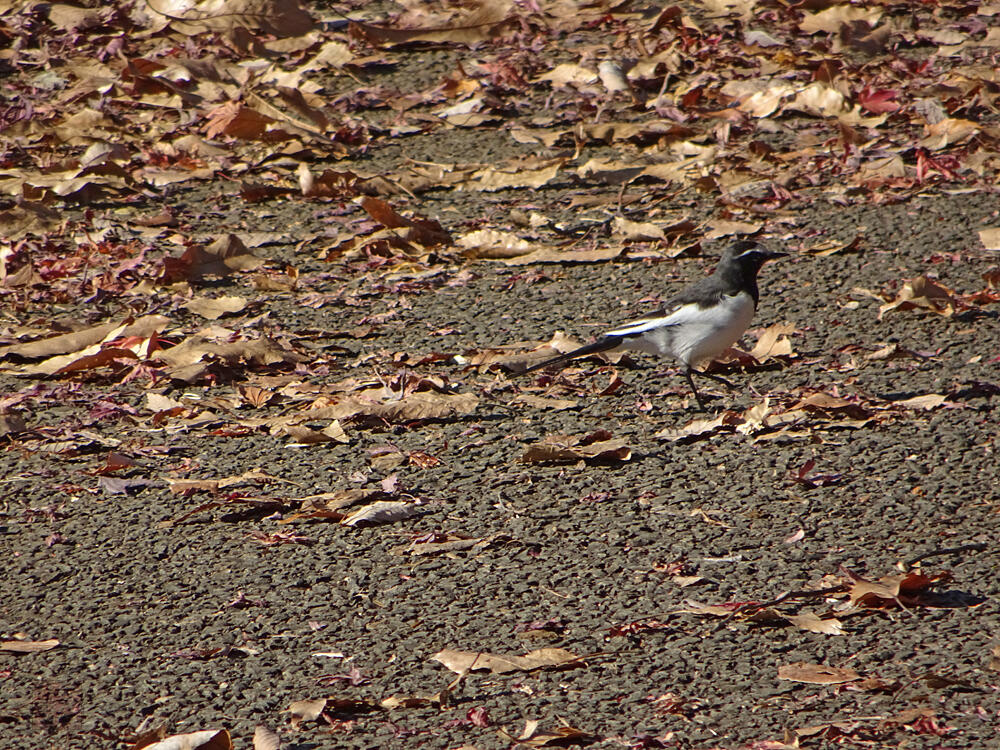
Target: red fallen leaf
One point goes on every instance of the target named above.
(478, 717)
(909, 590)
(423, 460)
(633, 628)
(929, 725)
(115, 462)
(426, 232)
(878, 101)
(801, 476)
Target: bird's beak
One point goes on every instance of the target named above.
(773, 255)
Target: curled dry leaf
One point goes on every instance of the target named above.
(282, 18)
(814, 624)
(562, 736)
(306, 710)
(223, 257)
(265, 738)
(463, 662)
(80, 341)
(492, 244)
(816, 674)
(425, 232)
(774, 342)
(194, 356)
(209, 739)
(382, 512)
(906, 590)
(562, 448)
(923, 293)
(483, 21)
(399, 700)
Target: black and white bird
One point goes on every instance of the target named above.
(699, 323)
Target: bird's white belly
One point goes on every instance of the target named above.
(692, 335)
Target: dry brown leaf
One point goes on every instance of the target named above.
(492, 244)
(209, 739)
(420, 405)
(306, 710)
(562, 736)
(724, 228)
(194, 356)
(923, 403)
(923, 293)
(300, 435)
(282, 18)
(814, 624)
(382, 512)
(265, 738)
(640, 231)
(816, 674)
(830, 21)
(483, 21)
(554, 255)
(699, 428)
(28, 647)
(569, 74)
(463, 662)
(78, 341)
(223, 257)
(990, 237)
(214, 308)
(400, 700)
(539, 402)
(426, 232)
(994, 661)
(562, 448)
(774, 342)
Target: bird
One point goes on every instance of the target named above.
(697, 324)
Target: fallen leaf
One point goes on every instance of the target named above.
(209, 739)
(463, 662)
(774, 342)
(265, 738)
(990, 237)
(81, 340)
(816, 674)
(539, 402)
(923, 403)
(814, 624)
(214, 308)
(382, 512)
(28, 647)
(420, 405)
(482, 21)
(223, 257)
(561, 448)
(922, 293)
(306, 710)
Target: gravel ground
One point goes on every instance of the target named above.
(195, 624)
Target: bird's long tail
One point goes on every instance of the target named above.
(601, 345)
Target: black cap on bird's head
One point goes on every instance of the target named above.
(749, 254)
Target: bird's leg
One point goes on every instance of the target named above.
(716, 378)
(694, 389)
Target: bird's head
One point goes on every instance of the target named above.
(749, 255)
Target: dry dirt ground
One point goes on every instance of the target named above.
(665, 568)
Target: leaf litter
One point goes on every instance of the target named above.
(247, 103)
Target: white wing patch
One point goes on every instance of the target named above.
(690, 333)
